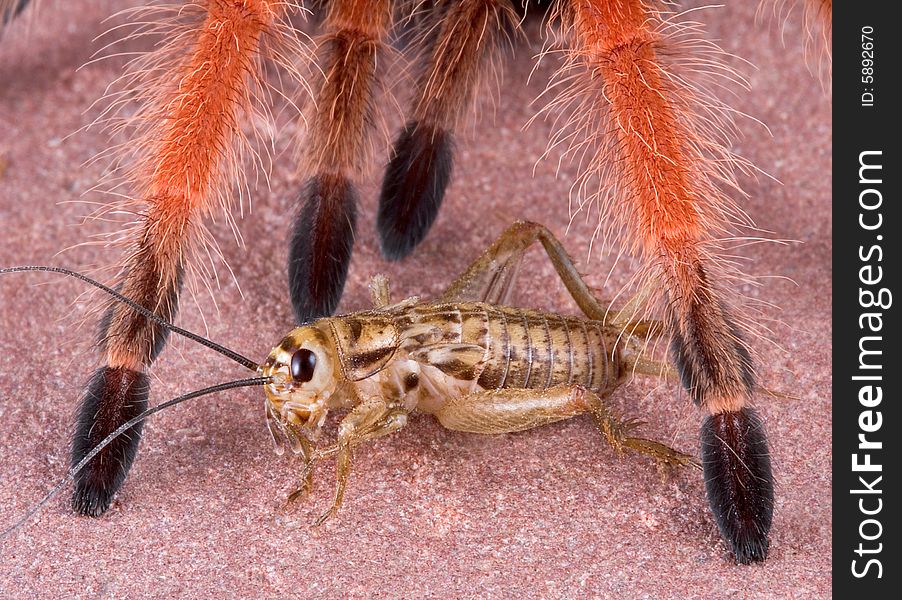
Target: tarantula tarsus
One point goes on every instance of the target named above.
(632, 95)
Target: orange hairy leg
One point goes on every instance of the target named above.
(185, 156)
(339, 145)
(460, 41)
(666, 187)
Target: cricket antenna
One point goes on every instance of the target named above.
(246, 362)
(253, 381)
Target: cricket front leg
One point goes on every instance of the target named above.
(366, 422)
(509, 410)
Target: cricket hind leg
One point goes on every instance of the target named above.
(617, 430)
(491, 277)
(509, 410)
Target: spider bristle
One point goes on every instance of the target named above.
(414, 186)
(321, 246)
(112, 397)
(739, 481)
(817, 22)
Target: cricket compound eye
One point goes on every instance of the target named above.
(303, 363)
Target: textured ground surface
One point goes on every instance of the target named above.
(429, 513)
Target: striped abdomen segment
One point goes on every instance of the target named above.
(534, 350)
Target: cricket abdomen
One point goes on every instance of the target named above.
(533, 350)
(521, 349)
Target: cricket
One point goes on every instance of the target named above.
(469, 359)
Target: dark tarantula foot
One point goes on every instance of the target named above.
(739, 481)
(321, 246)
(113, 396)
(413, 188)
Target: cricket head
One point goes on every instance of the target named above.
(303, 377)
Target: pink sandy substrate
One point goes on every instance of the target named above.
(429, 513)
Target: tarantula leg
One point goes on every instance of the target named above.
(321, 246)
(119, 391)
(669, 172)
(737, 470)
(339, 142)
(184, 152)
(460, 40)
(113, 396)
(414, 186)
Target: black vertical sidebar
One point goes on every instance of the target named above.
(867, 111)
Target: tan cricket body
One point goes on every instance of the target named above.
(421, 355)
(469, 358)
(473, 362)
